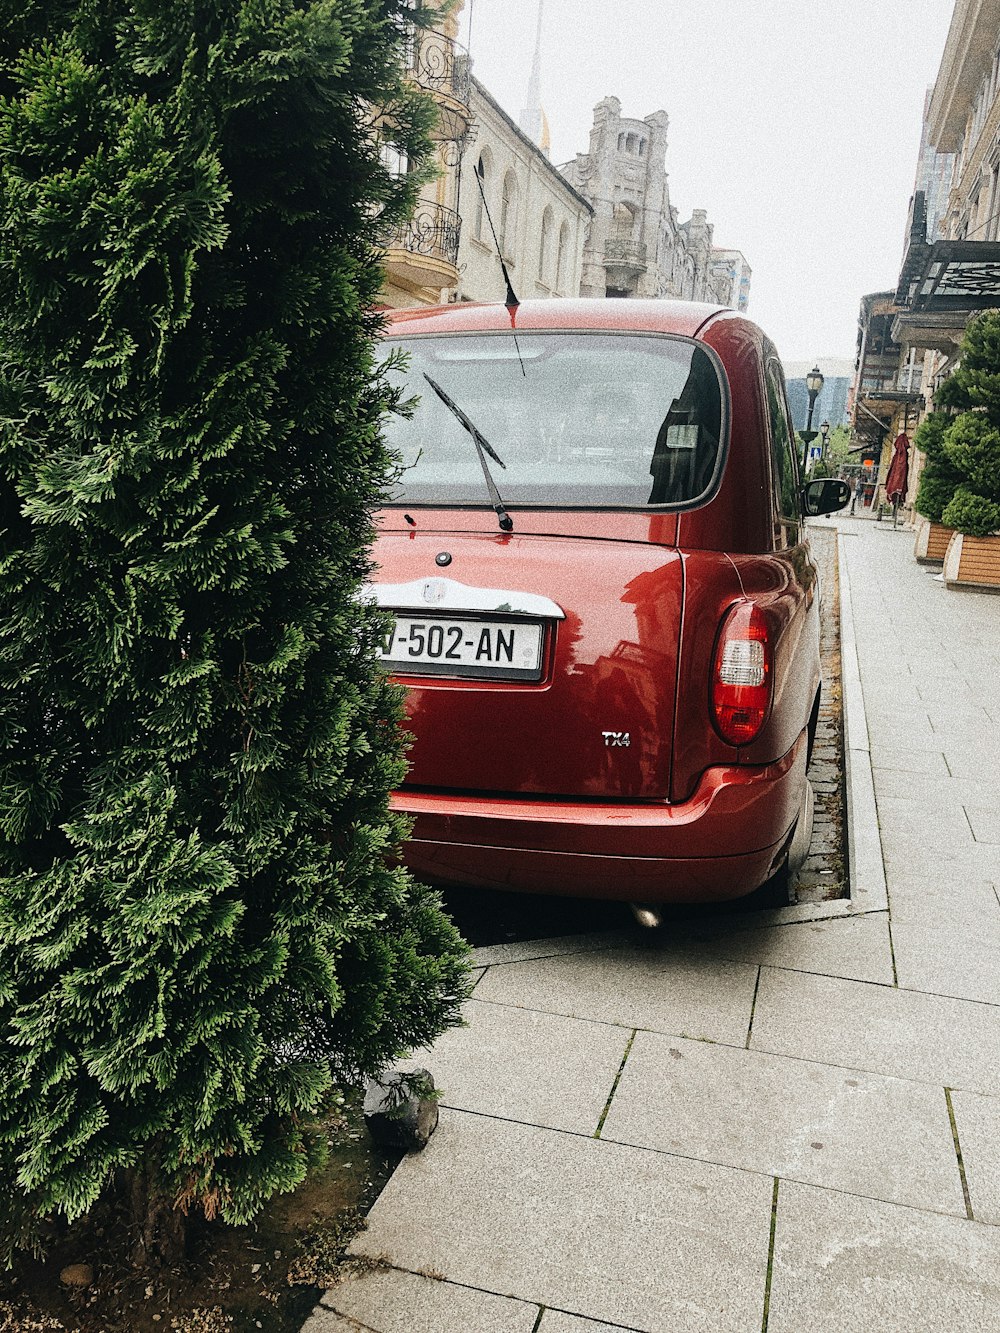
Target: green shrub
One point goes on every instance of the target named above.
(934, 492)
(200, 930)
(929, 436)
(972, 514)
(939, 477)
(975, 382)
(972, 447)
(961, 479)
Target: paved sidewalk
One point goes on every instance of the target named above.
(791, 1128)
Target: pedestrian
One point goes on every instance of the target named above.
(859, 490)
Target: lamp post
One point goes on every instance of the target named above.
(814, 383)
(824, 435)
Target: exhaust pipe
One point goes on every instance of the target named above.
(647, 916)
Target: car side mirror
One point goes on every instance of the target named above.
(825, 495)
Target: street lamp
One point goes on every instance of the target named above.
(824, 434)
(814, 383)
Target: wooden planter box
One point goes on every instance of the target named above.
(932, 542)
(973, 562)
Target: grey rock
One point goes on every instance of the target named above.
(400, 1111)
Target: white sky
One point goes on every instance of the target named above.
(796, 123)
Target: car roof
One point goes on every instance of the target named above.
(686, 318)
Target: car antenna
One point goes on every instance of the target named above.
(511, 302)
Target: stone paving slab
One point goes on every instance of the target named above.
(977, 1120)
(970, 759)
(985, 821)
(633, 988)
(856, 947)
(929, 1038)
(943, 689)
(615, 1233)
(913, 824)
(952, 863)
(520, 951)
(849, 1265)
(930, 787)
(906, 759)
(909, 724)
(946, 939)
(959, 713)
(892, 741)
(391, 1301)
(541, 1069)
(555, 1322)
(884, 1137)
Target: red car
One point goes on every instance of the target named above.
(606, 611)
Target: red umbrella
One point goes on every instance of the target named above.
(895, 482)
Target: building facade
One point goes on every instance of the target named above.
(422, 254)
(636, 245)
(951, 267)
(540, 220)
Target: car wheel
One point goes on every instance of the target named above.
(779, 890)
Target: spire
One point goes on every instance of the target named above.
(532, 119)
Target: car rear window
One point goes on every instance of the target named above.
(577, 419)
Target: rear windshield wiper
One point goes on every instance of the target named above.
(483, 447)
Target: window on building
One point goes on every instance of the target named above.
(630, 144)
(621, 143)
(642, 147)
(395, 162)
(483, 172)
(545, 245)
(508, 214)
(562, 260)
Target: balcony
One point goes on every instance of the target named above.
(626, 255)
(902, 388)
(442, 68)
(423, 252)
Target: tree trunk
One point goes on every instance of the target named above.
(159, 1229)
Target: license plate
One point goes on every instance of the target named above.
(488, 649)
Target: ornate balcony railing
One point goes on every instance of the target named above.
(432, 231)
(625, 253)
(440, 65)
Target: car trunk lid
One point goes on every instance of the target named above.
(561, 677)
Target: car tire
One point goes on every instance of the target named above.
(779, 890)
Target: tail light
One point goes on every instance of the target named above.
(742, 675)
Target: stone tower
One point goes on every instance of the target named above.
(636, 247)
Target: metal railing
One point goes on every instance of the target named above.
(440, 65)
(904, 382)
(627, 253)
(433, 230)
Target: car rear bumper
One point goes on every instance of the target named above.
(722, 843)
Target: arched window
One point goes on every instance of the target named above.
(508, 214)
(642, 147)
(545, 245)
(630, 144)
(483, 172)
(562, 260)
(621, 143)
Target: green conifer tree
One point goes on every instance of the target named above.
(938, 479)
(969, 452)
(200, 932)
